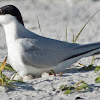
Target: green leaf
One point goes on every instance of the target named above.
(97, 69)
(97, 80)
(7, 67)
(81, 85)
(68, 92)
(20, 81)
(63, 87)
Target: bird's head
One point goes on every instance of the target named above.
(10, 13)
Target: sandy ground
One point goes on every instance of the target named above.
(53, 16)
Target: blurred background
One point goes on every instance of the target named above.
(54, 16)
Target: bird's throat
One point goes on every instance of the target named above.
(12, 30)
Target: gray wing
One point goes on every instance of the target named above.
(43, 52)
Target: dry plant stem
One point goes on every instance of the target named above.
(85, 25)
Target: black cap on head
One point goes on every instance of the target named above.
(12, 10)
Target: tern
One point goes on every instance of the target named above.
(31, 54)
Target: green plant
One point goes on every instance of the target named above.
(68, 91)
(77, 87)
(7, 67)
(81, 85)
(97, 69)
(75, 39)
(4, 80)
(63, 87)
(85, 26)
(97, 80)
(87, 68)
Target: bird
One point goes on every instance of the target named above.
(32, 54)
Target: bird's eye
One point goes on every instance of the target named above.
(0, 11)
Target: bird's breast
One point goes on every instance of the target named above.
(14, 56)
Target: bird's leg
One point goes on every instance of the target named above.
(60, 74)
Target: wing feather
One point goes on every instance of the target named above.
(43, 52)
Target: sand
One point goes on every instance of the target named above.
(53, 16)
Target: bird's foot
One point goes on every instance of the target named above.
(16, 76)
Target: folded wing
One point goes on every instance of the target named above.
(45, 52)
